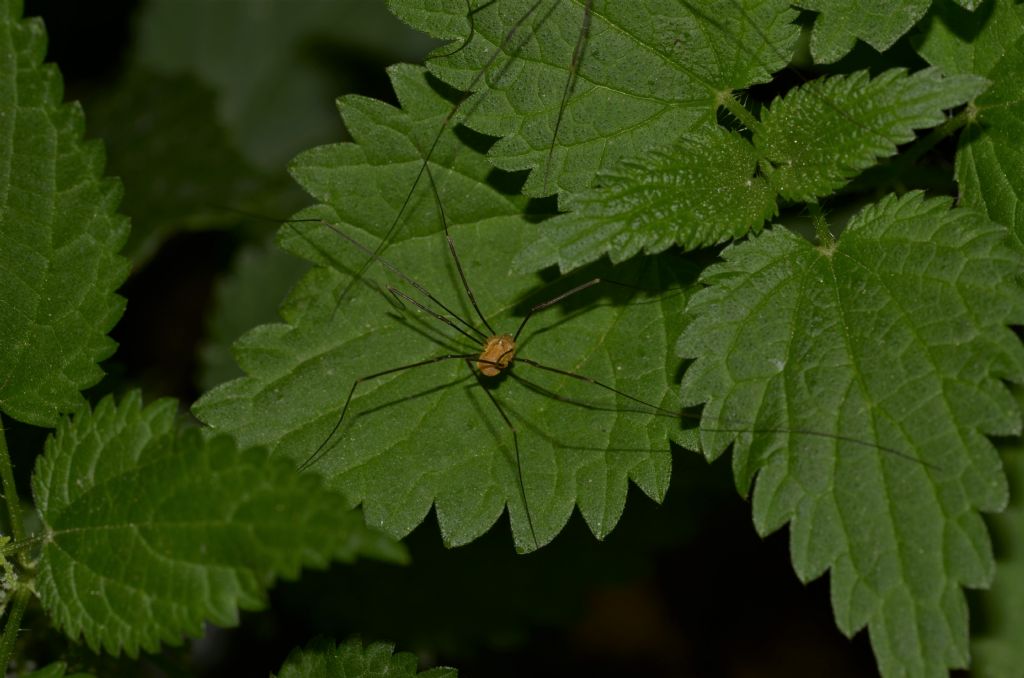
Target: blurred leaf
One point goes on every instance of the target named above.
(149, 531)
(649, 71)
(58, 264)
(248, 296)
(960, 42)
(276, 64)
(395, 453)
(180, 168)
(998, 651)
(56, 670)
(879, 23)
(322, 659)
(899, 332)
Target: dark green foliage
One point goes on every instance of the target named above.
(208, 526)
(58, 264)
(784, 274)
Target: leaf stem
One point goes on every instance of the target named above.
(21, 546)
(932, 139)
(12, 626)
(10, 491)
(821, 228)
(738, 110)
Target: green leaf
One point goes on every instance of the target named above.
(809, 158)
(701, 190)
(58, 262)
(989, 169)
(707, 188)
(56, 670)
(388, 157)
(892, 343)
(880, 23)
(958, 41)
(179, 164)
(250, 295)
(395, 452)
(647, 72)
(275, 64)
(998, 650)
(989, 42)
(148, 530)
(322, 659)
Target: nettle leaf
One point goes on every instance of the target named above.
(820, 135)
(322, 659)
(714, 186)
(644, 72)
(58, 263)
(370, 179)
(177, 161)
(989, 170)
(701, 190)
(961, 41)
(879, 23)
(149, 530)
(998, 649)
(272, 63)
(396, 452)
(899, 332)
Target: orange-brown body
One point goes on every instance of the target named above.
(497, 354)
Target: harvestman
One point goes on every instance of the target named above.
(495, 357)
(498, 352)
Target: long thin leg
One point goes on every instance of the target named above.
(400, 295)
(321, 451)
(515, 444)
(595, 382)
(565, 295)
(545, 391)
(388, 265)
(455, 256)
(830, 436)
(551, 302)
(743, 427)
(437, 139)
(570, 82)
